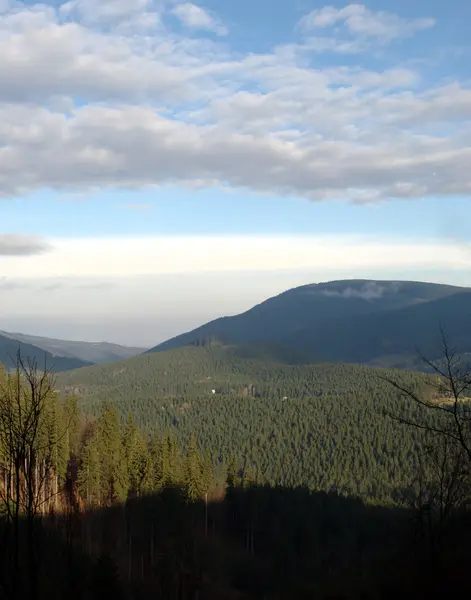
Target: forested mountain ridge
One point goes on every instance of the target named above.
(319, 321)
(393, 337)
(88, 352)
(9, 348)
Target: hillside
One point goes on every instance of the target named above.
(88, 352)
(374, 322)
(392, 338)
(9, 348)
(321, 425)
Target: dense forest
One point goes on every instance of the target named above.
(324, 426)
(201, 474)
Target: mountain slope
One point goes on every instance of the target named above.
(89, 352)
(392, 338)
(9, 348)
(296, 315)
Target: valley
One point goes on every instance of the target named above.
(60, 355)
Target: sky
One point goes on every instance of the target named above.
(163, 163)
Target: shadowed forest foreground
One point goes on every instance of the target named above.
(97, 508)
(259, 542)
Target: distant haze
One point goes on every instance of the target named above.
(148, 310)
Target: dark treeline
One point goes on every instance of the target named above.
(94, 506)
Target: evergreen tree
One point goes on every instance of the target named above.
(131, 450)
(175, 461)
(231, 473)
(55, 450)
(114, 473)
(89, 472)
(249, 477)
(140, 468)
(194, 487)
(206, 481)
(206, 473)
(72, 422)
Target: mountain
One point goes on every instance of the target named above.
(9, 348)
(392, 337)
(89, 352)
(350, 320)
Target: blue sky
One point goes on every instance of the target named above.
(326, 139)
(209, 212)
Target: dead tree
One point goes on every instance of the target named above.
(25, 459)
(451, 398)
(442, 486)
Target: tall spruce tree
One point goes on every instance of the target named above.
(89, 472)
(194, 487)
(114, 474)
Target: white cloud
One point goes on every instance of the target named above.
(89, 101)
(195, 17)
(361, 21)
(136, 291)
(130, 257)
(124, 14)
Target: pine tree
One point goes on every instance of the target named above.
(163, 470)
(72, 422)
(175, 462)
(89, 472)
(140, 468)
(193, 472)
(114, 474)
(54, 451)
(231, 473)
(207, 473)
(207, 479)
(131, 450)
(249, 477)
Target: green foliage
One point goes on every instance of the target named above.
(34, 442)
(72, 422)
(324, 426)
(231, 473)
(114, 475)
(206, 473)
(89, 472)
(193, 472)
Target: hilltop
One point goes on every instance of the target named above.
(372, 322)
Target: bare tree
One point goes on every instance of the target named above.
(26, 456)
(450, 397)
(442, 486)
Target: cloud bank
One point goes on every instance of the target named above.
(113, 93)
(121, 257)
